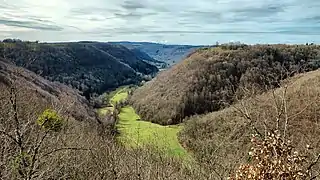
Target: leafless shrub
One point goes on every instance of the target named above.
(274, 158)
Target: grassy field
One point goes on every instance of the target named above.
(114, 96)
(120, 95)
(135, 132)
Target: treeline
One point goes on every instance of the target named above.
(88, 67)
(213, 78)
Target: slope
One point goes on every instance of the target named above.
(221, 140)
(35, 94)
(209, 79)
(127, 56)
(150, 60)
(88, 66)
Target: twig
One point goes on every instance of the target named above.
(61, 149)
(278, 109)
(13, 100)
(299, 112)
(285, 112)
(314, 162)
(9, 136)
(35, 153)
(314, 177)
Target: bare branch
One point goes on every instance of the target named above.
(9, 136)
(13, 100)
(35, 153)
(279, 109)
(66, 148)
(314, 162)
(285, 111)
(300, 111)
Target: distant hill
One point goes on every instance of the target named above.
(87, 66)
(148, 59)
(213, 78)
(170, 54)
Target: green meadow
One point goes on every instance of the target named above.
(134, 132)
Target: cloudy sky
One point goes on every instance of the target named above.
(169, 21)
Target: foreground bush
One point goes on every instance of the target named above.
(274, 158)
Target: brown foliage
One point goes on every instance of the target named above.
(221, 140)
(209, 79)
(273, 158)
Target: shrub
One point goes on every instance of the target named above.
(50, 120)
(273, 158)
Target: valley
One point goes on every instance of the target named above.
(159, 90)
(108, 111)
(137, 132)
(169, 54)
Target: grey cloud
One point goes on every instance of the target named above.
(130, 12)
(134, 10)
(159, 8)
(91, 10)
(263, 14)
(197, 16)
(133, 15)
(313, 19)
(263, 11)
(234, 14)
(135, 5)
(197, 30)
(132, 5)
(125, 31)
(6, 5)
(31, 25)
(253, 20)
(94, 19)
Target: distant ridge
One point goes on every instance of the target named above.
(87, 66)
(168, 53)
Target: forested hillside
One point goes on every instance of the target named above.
(35, 94)
(94, 67)
(221, 140)
(213, 78)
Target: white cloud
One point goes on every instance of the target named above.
(172, 21)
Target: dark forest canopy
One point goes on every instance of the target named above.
(87, 66)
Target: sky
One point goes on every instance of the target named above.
(166, 21)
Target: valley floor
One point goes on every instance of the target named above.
(135, 132)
